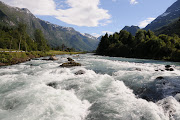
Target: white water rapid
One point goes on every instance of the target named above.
(111, 88)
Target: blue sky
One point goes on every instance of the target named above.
(95, 16)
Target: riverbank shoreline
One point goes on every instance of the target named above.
(11, 58)
(145, 58)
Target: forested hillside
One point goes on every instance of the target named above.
(145, 44)
(170, 29)
(17, 38)
(56, 35)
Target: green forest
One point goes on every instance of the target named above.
(145, 44)
(18, 39)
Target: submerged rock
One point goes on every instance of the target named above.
(70, 64)
(160, 77)
(53, 58)
(166, 68)
(161, 87)
(53, 84)
(169, 68)
(138, 69)
(80, 72)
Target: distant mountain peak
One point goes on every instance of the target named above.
(132, 29)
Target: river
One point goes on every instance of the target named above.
(111, 88)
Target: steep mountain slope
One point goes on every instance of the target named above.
(56, 35)
(171, 14)
(170, 29)
(132, 29)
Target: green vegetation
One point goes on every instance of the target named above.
(170, 29)
(16, 46)
(55, 35)
(143, 45)
(18, 39)
(9, 58)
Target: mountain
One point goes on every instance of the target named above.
(170, 29)
(132, 29)
(99, 38)
(55, 34)
(169, 16)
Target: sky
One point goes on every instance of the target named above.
(95, 17)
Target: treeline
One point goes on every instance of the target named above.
(64, 48)
(17, 38)
(145, 44)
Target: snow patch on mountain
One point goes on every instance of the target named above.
(165, 14)
(89, 36)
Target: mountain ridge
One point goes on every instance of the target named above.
(56, 35)
(132, 29)
(170, 15)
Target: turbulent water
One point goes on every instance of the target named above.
(110, 89)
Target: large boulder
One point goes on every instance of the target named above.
(70, 59)
(70, 64)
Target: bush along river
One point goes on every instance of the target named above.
(102, 88)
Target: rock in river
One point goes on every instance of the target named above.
(80, 72)
(70, 59)
(70, 64)
(53, 58)
(52, 84)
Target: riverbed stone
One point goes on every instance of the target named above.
(70, 59)
(53, 58)
(168, 66)
(52, 84)
(70, 64)
(80, 72)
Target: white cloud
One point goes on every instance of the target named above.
(79, 12)
(83, 13)
(144, 23)
(133, 2)
(105, 22)
(37, 7)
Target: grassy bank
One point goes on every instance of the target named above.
(10, 58)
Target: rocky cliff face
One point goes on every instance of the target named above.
(55, 34)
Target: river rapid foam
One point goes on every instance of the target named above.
(111, 88)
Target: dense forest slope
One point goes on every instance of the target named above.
(143, 45)
(170, 29)
(55, 35)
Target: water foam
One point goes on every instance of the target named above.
(104, 92)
